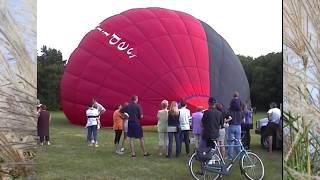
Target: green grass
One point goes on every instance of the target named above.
(69, 157)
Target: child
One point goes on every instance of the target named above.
(117, 127)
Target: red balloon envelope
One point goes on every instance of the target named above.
(156, 54)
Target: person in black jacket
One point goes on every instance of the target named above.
(211, 122)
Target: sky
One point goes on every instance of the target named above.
(251, 27)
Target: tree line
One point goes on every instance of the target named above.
(264, 76)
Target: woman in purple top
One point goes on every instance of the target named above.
(196, 124)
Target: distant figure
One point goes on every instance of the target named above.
(92, 115)
(274, 115)
(134, 127)
(234, 130)
(246, 126)
(185, 119)
(211, 122)
(125, 126)
(117, 127)
(44, 120)
(162, 125)
(196, 125)
(173, 128)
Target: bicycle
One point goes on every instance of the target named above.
(214, 166)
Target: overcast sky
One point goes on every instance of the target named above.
(251, 27)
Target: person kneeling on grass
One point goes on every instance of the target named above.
(117, 127)
(92, 122)
(134, 127)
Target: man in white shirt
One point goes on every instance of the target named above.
(92, 115)
(274, 115)
(184, 119)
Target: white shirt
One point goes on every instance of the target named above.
(184, 118)
(275, 114)
(92, 120)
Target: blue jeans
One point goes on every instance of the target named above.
(92, 133)
(234, 132)
(177, 138)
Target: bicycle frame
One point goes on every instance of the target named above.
(225, 169)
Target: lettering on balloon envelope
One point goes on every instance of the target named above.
(119, 44)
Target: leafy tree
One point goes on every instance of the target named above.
(265, 79)
(50, 69)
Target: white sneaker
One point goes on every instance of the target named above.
(48, 143)
(122, 150)
(119, 152)
(96, 145)
(92, 141)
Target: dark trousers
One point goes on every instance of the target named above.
(184, 136)
(246, 138)
(92, 133)
(177, 138)
(117, 136)
(44, 137)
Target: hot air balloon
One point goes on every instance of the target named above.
(154, 53)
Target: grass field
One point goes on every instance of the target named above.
(69, 157)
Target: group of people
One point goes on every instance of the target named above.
(126, 120)
(207, 126)
(175, 122)
(217, 123)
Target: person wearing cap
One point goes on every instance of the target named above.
(211, 122)
(196, 125)
(162, 125)
(44, 119)
(234, 129)
(184, 119)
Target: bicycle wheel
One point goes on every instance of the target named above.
(198, 171)
(252, 166)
